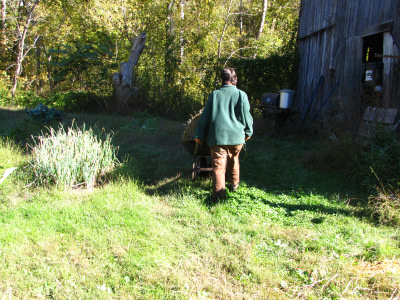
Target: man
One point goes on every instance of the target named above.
(227, 123)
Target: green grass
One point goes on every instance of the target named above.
(151, 233)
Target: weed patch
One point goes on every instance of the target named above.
(72, 157)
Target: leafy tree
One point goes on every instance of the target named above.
(17, 20)
(77, 45)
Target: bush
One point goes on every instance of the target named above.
(43, 113)
(22, 98)
(76, 157)
(4, 89)
(78, 101)
(271, 74)
(380, 160)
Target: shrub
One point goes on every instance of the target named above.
(72, 157)
(22, 98)
(4, 89)
(380, 160)
(43, 113)
(271, 74)
(78, 101)
(380, 172)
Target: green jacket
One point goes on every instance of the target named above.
(226, 118)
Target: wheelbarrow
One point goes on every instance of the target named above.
(201, 158)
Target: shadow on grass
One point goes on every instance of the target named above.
(290, 208)
(159, 162)
(270, 173)
(16, 125)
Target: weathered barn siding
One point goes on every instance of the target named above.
(330, 42)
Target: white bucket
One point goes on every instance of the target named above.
(286, 99)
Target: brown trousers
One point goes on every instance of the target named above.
(225, 160)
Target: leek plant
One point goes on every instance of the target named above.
(72, 157)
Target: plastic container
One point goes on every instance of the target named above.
(286, 99)
(373, 73)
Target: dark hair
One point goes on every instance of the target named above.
(228, 75)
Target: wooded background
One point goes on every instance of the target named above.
(63, 52)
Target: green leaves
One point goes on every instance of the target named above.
(90, 63)
(82, 42)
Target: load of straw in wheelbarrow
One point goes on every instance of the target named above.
(188, 136)
(190, 127)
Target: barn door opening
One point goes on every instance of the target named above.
(372, 91)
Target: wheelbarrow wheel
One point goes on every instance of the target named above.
(203, 162)
(200, 166)
(195, 170)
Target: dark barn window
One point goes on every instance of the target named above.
(372, 45)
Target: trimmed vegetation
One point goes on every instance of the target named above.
(289, 232)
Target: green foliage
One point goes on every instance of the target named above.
(79, 101)
(43, 113)
(89, 64)
(378, 171)
(375, 168)
(271, 74)
(72, 158)
(82, 44)
(22, 98)
(379, 163)
(4, 89)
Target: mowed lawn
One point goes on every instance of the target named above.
(149, 232)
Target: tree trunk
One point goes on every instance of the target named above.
(169, 58)
(3, 27)
(39, 81)
(21, 50)
(122, 81)
(264, 13)
(182, 50)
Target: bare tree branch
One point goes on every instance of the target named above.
(233, 53)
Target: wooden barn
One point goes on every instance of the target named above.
(349, 51)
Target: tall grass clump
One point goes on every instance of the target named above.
(72, 157)
(385, 206)
(380, 162)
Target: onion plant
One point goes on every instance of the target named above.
(72, 157)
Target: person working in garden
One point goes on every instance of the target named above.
(226, 122)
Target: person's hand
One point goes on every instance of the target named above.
(197, 141)
(246, 138)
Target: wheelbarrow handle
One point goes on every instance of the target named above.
(196, 149)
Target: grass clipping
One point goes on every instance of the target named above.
(190, 127)
(73, 157)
